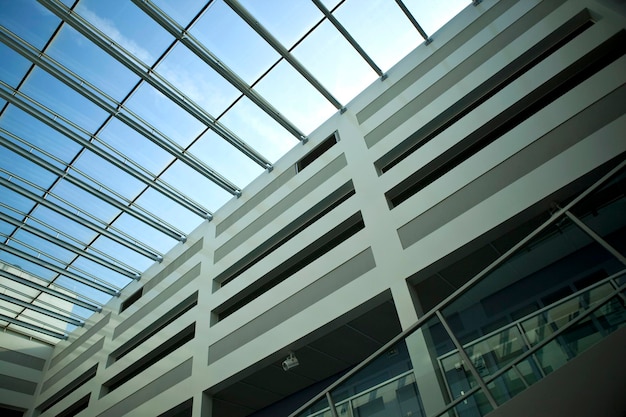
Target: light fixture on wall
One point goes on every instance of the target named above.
(290, 362)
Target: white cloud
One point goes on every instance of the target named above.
(108, 27)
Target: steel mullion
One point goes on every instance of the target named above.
(76, 250)
(50, 291)
(278, 47)
(124, 238)
(205, 55)
(41, 310)
(60, 261)
(596, 237)
(59, 270)
(413, 21)
(348, 37)
(151, 77)
(33, 327)
(109, 258)
(90, 225)
(13, 97)
(176, 234)
(46, 304)
(113, 107)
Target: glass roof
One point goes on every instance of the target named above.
(125, 124)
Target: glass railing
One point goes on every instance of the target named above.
(567, 276)
(508, 360)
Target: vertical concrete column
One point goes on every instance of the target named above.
(429, 384)
(202, 405)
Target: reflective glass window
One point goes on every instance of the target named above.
(433, 15)
(13, 67)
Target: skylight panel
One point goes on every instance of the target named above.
(127, 25)
(85, 201)
(21, 167)
(258, 129)
(105, 173)
(156, 239)
(135, 146)
(196, 186)
(234, 42)
(165, 115)
(51, 93)
(197, 80)
(433, 15)
(27, 127)
(288, 21)
(333, 61)
(122, 253)
(296, 98)
(169, 211)
(384, 32)
(182, 11)
(32, 21)
(13, 67)
(224, 158)
(91, 63)
(70, 227)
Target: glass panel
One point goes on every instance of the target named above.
(122, 253)
(70, 227)
(529, 370)
(295, 97)
(53, 94)
(604, 212)
(13, 66)
(475, 405)
(319, 409)
(196, 186)
(260, 131)
(105, 173)
(543, 272)
(134, 146)
(236, 44)
(386, 367)
(37, 133)
(583, 335)
(376, 25)
(127, 25)
(91, 63)
(21, 167)
(225, 159)
(30, 20)
(197, 80)
(286, 21)
(335, 64)
(433, 15)
(168, 210)
(496, 351)
(154, 238)
(506, 386)
(182, 11)
(164, 115)
(396, 398)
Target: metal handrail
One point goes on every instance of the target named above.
(461, 290)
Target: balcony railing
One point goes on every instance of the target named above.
(457, 371)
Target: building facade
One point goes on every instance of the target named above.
(477, 190)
